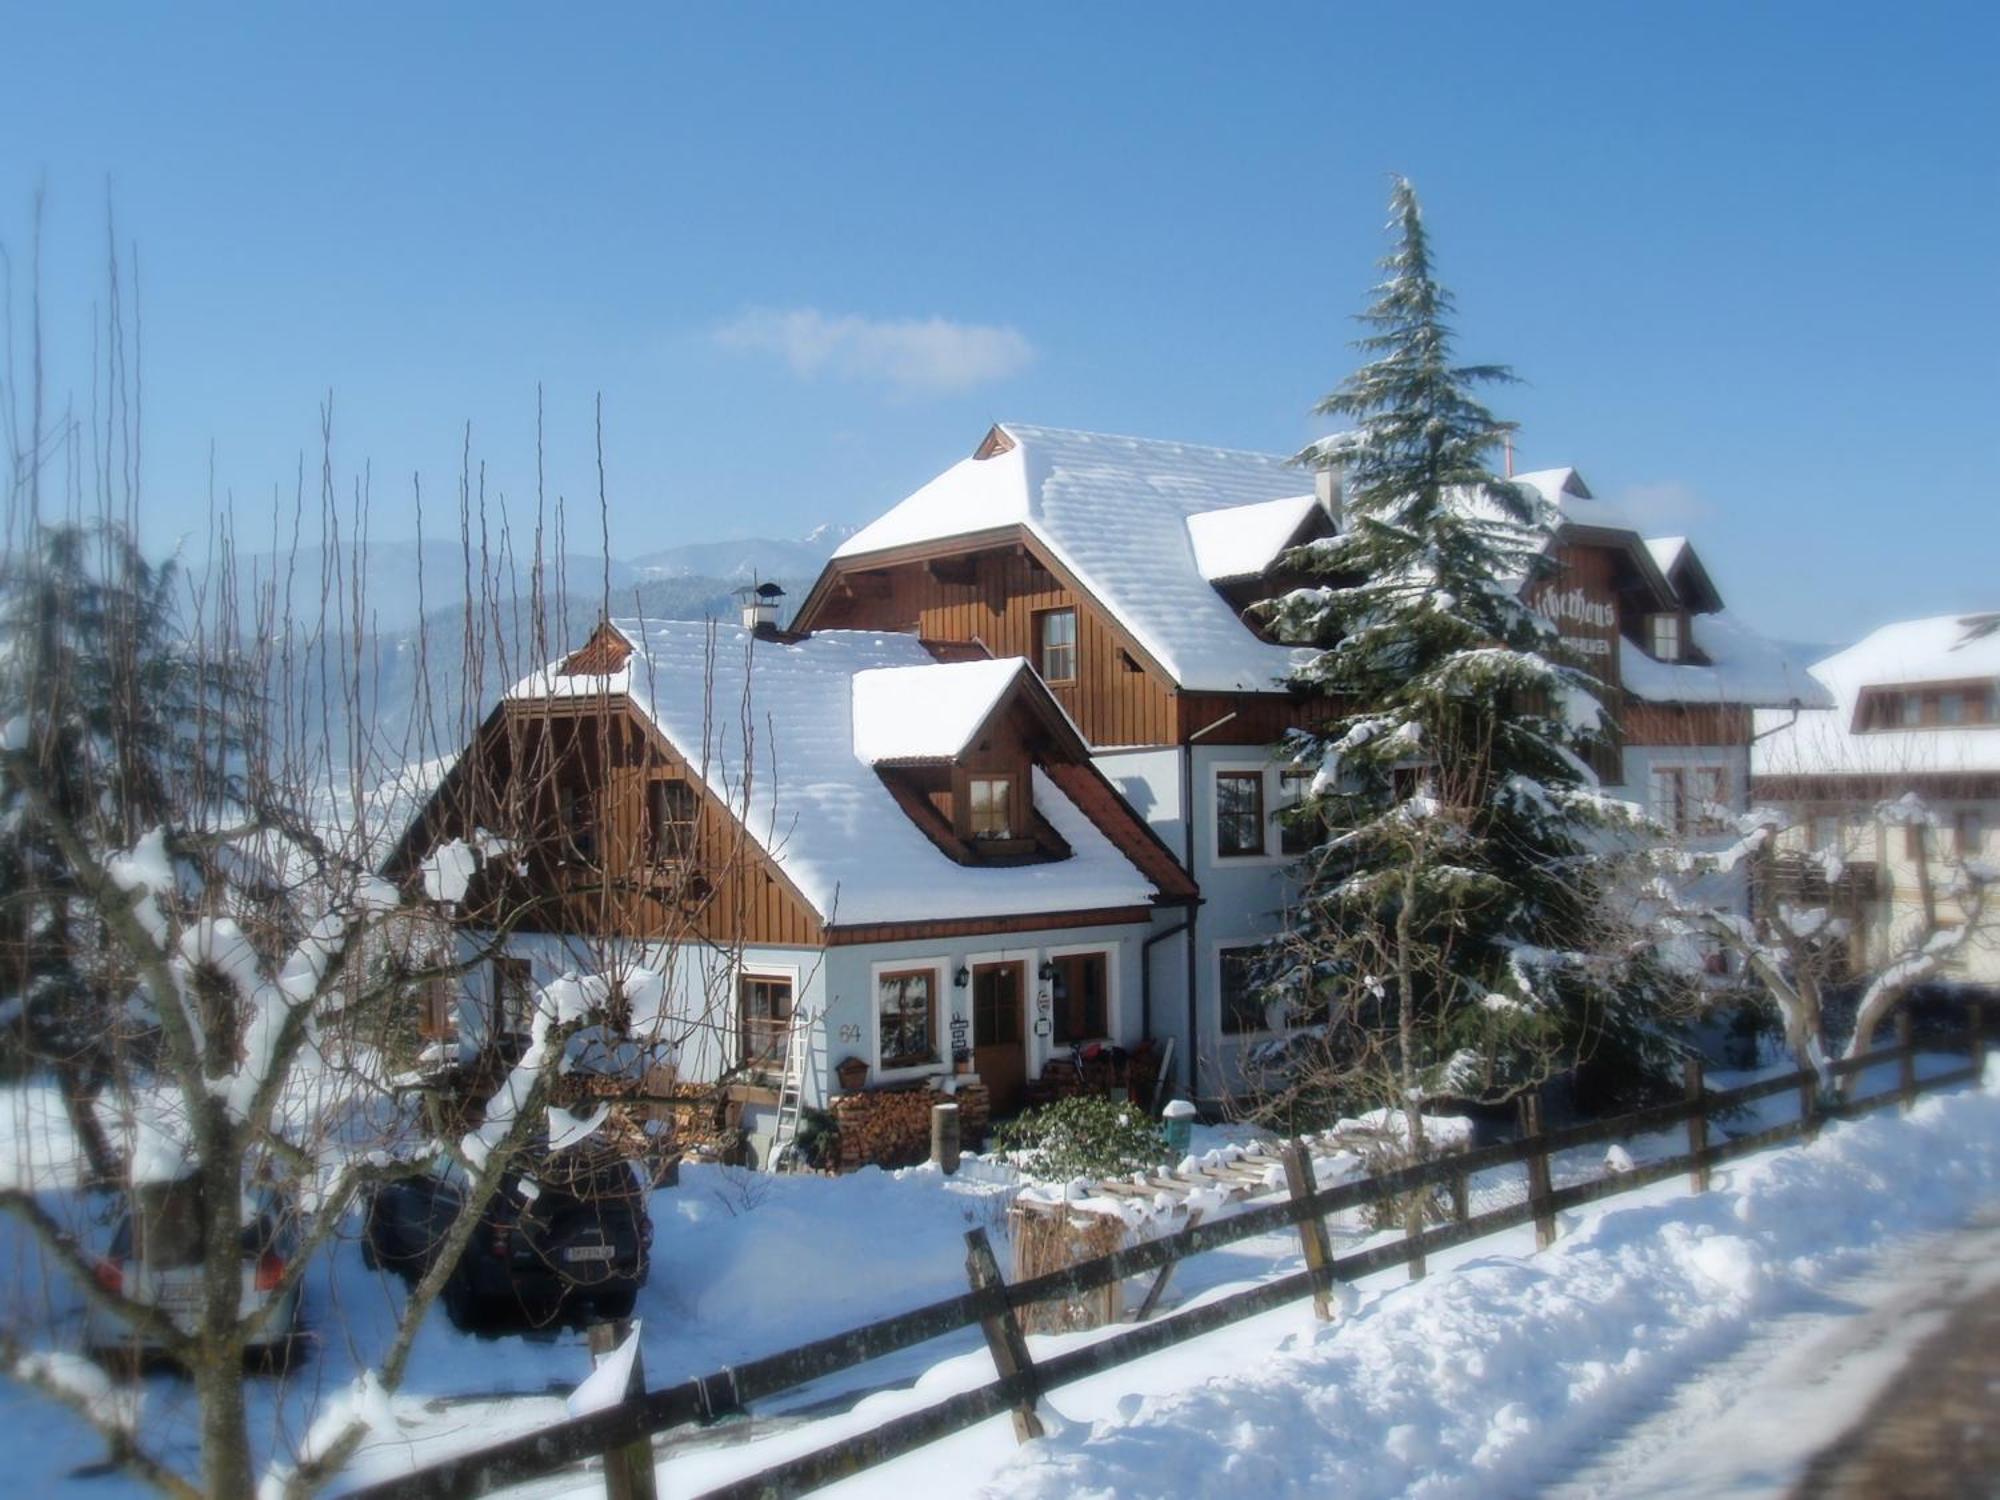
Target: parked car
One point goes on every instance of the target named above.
(565, 1237)
(155, 1257)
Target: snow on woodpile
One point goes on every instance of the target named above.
(929, 712)
(1956, 649)
(1114, 512)
(807, 797)
(1741, 667)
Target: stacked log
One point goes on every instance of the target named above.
(892, 1127)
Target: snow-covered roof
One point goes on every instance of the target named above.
(814, 805)
(1941, 648)
(1743, 667)
(929, 712)
(1241, 541)
(1114, 512)
(1666, 550)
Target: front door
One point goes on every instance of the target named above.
(1000, 1033)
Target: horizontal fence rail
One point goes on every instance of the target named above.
(728, 1391)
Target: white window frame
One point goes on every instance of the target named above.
(942, 971)
(1266, 768)
(1671, 623)
(731, 1056)
(1114, 1014)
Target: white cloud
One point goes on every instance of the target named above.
(1668, 506)
(914, 356)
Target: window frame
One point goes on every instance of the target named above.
(746, 974)
(508, 970)
(1974, 819)
(1256, 817)
(1224, 949)
(1664, 629)
(1011, 782)
(1108, 954)
(689, 845)
(879, 974)
(1045, 651)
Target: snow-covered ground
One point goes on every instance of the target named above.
(1505, 1372)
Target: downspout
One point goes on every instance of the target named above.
(1146, 973)
(1187, 843)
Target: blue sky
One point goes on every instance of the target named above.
(1744, 257)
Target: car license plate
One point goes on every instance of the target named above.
(587, 1252)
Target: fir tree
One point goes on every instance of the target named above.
(1448, 925)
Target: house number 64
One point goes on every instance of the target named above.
(850, 1033)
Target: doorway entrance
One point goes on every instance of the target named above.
(1000, 1033)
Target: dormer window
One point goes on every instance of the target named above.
(1913, 710)
(1665, 632)
(670, 822)
(1951, 708)
(990, 807)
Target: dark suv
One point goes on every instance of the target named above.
(565, 1237)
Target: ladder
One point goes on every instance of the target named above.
(791, 1094)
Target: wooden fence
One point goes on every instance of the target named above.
(991, 1303)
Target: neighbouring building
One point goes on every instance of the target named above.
(1914, 708)
(1122, 569)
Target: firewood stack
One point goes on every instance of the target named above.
(892, 1127)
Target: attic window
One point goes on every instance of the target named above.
(670, 822)
(990, 807)
(1055, 645)
(1666, 637)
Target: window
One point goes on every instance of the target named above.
(670, 822)
(1666, 637)
(1242, 1007)
(513, 996)
(764, 1015)
(1079, 992)
(1913, 841)
(1951, 708)
(577, 825)
(1691, 799)
(1295, 836)
(906, 1017)
(1239, 813)
(990, 806)
(1055, 640)
(1968, 832)
(1826, 833)
(1913, 710)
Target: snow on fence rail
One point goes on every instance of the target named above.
(992, 1304)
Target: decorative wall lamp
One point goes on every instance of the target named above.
(961, 979)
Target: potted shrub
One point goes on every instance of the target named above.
(852, 1073)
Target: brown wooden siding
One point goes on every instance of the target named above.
(1684, 723)
(603, 752)
(992, 597)
(898, 932)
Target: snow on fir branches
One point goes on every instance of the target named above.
(1448, 934)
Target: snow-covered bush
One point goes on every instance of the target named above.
(1090, 1135)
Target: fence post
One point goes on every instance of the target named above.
(1461, 1196)
(1539, 1185)
(1906, 1060)
(1808, 1103)
(1977, 1018)
(944, 1137)
(628, 1471)
(1312, 1229)
(1003, 1330)
(1697, 1095)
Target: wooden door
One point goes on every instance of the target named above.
(1000, 1033)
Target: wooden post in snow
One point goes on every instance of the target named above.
(1004, 1340)
(1977, 1018)
(1808, 1102)
(1312, 1229)
(1906, 1060)
(628, 1471)
(1697, 1095)
(1539, 1184)
(944, 1137)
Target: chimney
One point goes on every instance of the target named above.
(759, 604)
(1326, 485)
